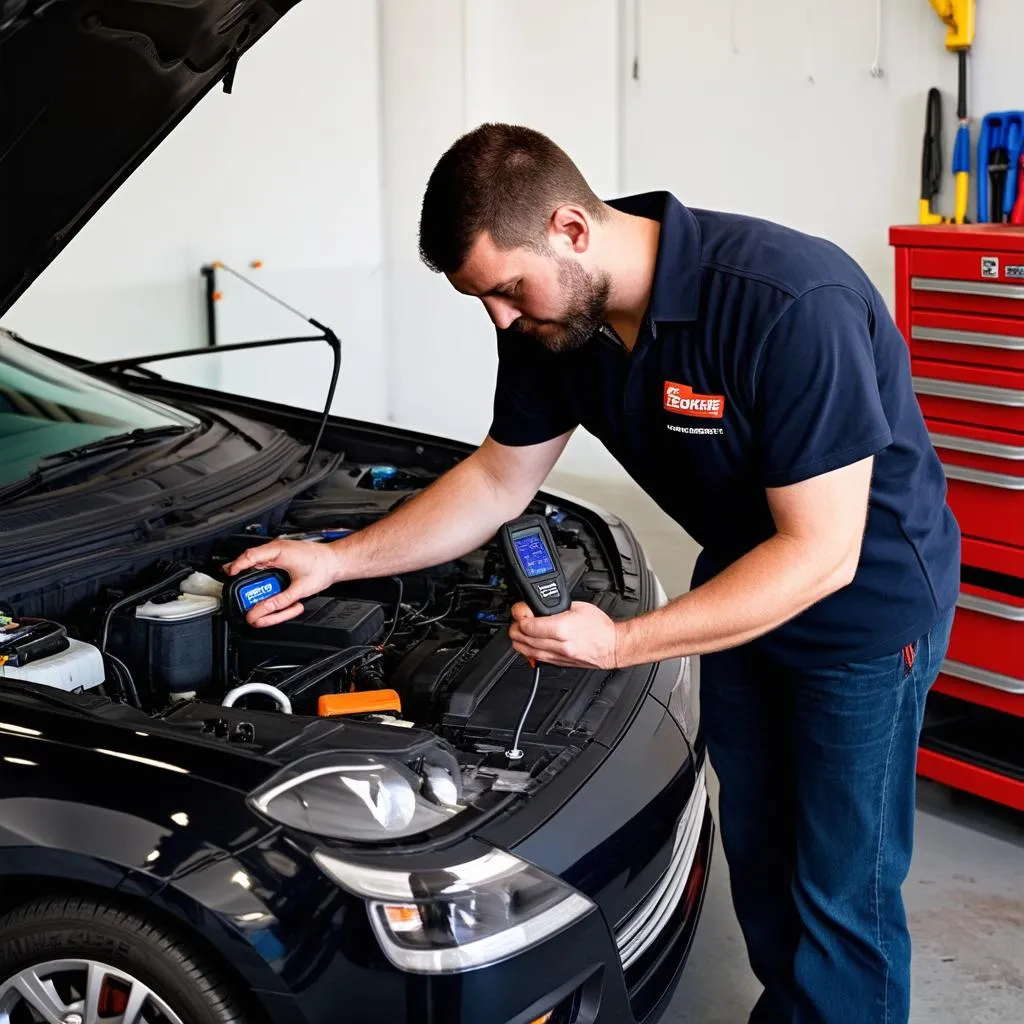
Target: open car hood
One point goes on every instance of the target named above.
(88, 88)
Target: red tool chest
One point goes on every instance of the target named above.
(960, 307)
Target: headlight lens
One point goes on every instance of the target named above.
(454, 919)
(355, 796)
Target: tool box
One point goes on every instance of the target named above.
(960, 307)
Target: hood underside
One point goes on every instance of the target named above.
(88, 88)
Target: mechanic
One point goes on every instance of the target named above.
(751, 380)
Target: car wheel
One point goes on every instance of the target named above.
(73, 961)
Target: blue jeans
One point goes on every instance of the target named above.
(816, 813)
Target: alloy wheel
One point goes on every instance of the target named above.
(80, 992)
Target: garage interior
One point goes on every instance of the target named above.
(307, 178)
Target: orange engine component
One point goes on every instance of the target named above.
(360, 703)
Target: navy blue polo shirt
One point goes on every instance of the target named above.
(766, 357)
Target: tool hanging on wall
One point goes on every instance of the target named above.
(1017, 214)
(1000, 146)
(959, 18)
(931, 160)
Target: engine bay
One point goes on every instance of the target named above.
(423, 652)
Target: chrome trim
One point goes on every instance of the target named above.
(975, 446)
(983, 677)
(968, 392)
(1009, 342)
(641, 929)
(943, 284)
(969, 475)
(986, 606)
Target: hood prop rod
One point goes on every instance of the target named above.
(118, 366)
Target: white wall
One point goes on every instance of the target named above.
(286, 170)
(448, 66)
(723, 113)
(771, 109)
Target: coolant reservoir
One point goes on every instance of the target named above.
(176, 641)
(181, 609)
(203, 585)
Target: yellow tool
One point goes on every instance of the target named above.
(959, 18)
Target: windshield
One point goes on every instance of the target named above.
(46, 408)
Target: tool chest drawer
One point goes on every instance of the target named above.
(968, 269)
(987, 506)
(985, 479)
(994, 557)
(977, 395)
(967, 282)
(968, 338)
(986, 646)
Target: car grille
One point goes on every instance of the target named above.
(638, 932)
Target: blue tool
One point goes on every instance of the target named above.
(244, 592)
(1000, 145)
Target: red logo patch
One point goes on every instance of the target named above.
(682, 399)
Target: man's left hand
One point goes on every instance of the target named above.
(582, 637)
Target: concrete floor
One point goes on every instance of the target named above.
(965, 894)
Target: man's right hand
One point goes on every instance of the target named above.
(312, 567)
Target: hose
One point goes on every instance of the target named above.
(265, 688)
(515, 754)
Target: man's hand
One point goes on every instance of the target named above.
(582, 637)
(312, 567)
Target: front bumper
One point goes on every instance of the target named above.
(610, 967)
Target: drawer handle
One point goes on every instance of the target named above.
(1009, 342)
(975, 446)
(982, 676)
(941, 284)
(970, 475)
(986, 606)
(968, 392)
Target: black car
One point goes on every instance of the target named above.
(316, 822)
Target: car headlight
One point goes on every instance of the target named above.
(357, 797)
(457, 918)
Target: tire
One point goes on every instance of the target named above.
(125, 951)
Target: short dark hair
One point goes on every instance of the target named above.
(503, 179)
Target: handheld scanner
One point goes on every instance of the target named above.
(532, 560)
(243, 593)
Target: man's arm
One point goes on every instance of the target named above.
(458, 512)
(815, 551)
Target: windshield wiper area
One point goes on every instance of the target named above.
(57, 465)
(116, 443)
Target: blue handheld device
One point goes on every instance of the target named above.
(244, 592)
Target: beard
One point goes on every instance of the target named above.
(586, 305)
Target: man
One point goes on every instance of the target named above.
(751, 380)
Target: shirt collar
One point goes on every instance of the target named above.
(676, 291)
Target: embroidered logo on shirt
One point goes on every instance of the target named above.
(680, 398)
